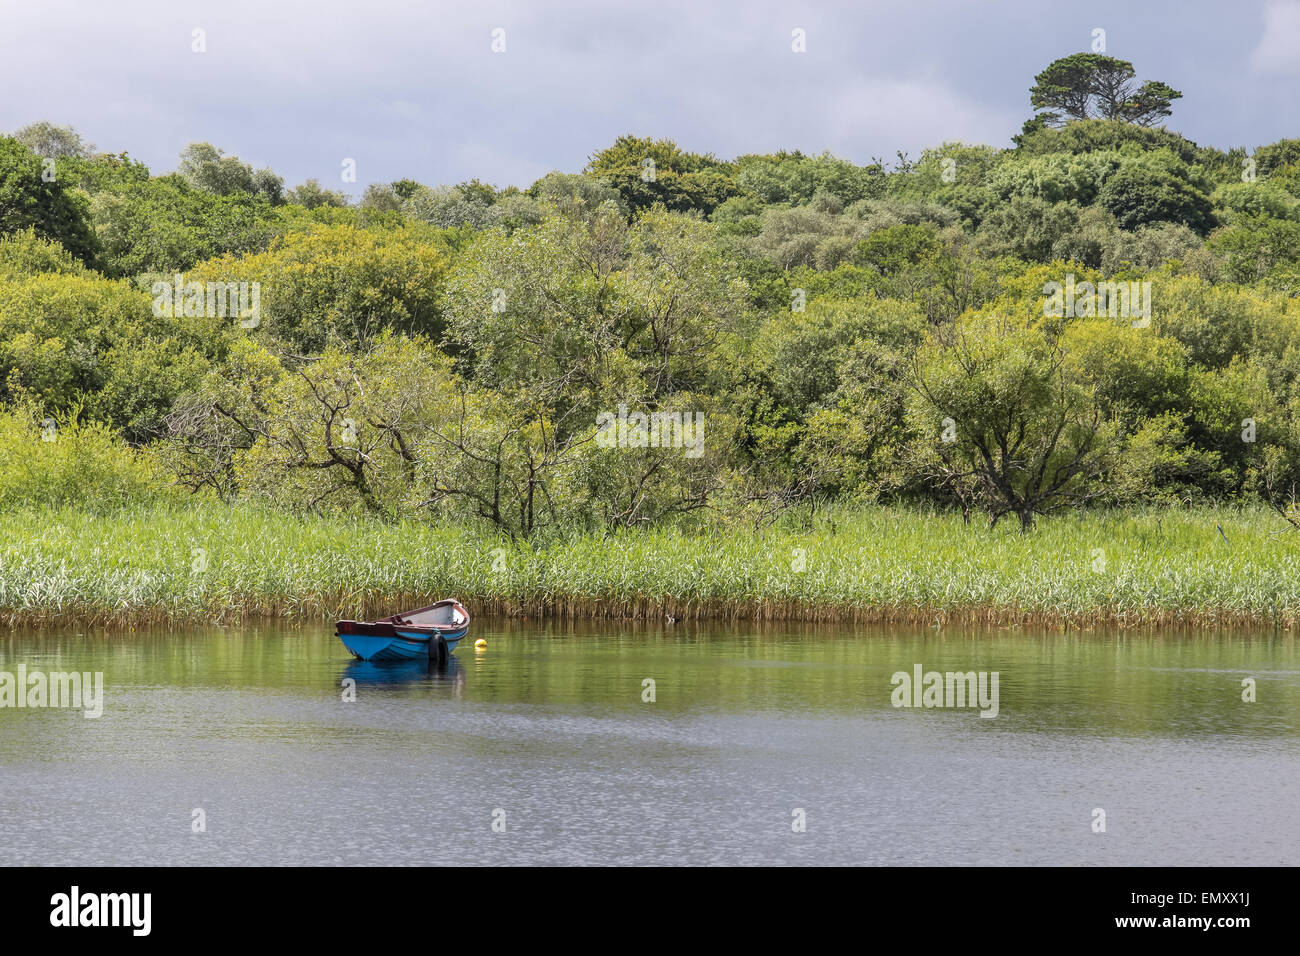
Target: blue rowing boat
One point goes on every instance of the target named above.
(429, 632)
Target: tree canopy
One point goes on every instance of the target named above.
(1095, 86)
(671, 337)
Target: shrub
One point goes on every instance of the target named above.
(50, 462)
(1140, 194)
(25, 253)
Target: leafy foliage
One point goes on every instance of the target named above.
(828, 329)
(1094, 86)
(31, 199)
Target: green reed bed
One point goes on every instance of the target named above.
(226, 563)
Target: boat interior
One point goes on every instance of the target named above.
(437, 615)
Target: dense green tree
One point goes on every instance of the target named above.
(1094, 86)
(208, 169)
(1100, 135)
(72, 340)
(1029, 228)
(102, 172)
(449, 206)
(1259, 250)
(164, 225)
(32, 198)
(648, 171)
(1258, 200)
(573, 192)
(338, 285)
(579, 312)
(311, 195)
(1139, 194)
(1148, 247)
(891, 250)
(25, 254)
(1001, 419)
(1271, 158)
(1056, 177)
(54, 142)
(795, 178)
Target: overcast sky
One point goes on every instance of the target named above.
(415, 90)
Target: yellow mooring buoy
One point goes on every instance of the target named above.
(480, 645)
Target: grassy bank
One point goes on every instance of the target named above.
(215, 563)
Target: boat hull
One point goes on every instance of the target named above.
(409, 636)
(398, 646)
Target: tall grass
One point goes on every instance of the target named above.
(219, 563)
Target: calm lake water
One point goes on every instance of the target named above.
(547, 732)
